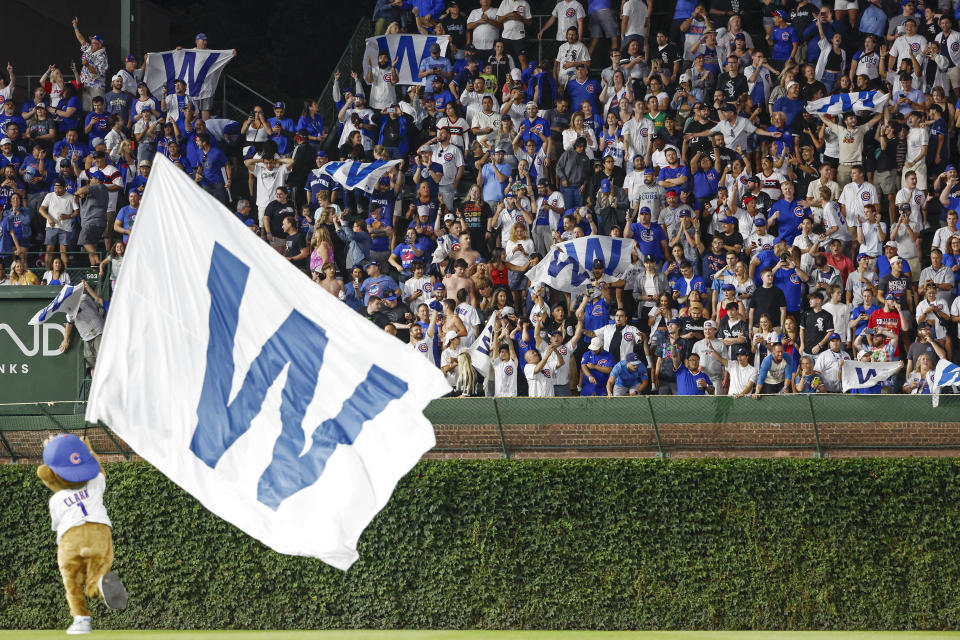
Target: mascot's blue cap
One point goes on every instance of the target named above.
(70, 458)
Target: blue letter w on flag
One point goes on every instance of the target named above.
(298, 342)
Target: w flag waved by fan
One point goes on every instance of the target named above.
(274, 404)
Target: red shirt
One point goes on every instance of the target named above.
(889, 320)
(498, 276)
(843, 264)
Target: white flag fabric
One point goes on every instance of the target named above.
(480, 352)
(199, 68)
(278, 407)
(567, 265)
(353, 174)
(860, 375)
(409, 48)
(946, 374)
(857, 101)
(66, 301)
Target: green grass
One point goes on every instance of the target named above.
(498, 635)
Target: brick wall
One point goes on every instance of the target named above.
(483, 441)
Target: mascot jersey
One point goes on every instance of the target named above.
(72, 507)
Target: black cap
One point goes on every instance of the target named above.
(649, 258)
(303, 133)
(60, 182)
(599, 264)
(727, 106)
(544, 182)
(99, 154)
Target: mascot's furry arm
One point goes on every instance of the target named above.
(56, 483)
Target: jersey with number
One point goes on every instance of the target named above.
(72, 507)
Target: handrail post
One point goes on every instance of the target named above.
(816, 430)
(6, 445)
(661, 454)
(503, 439)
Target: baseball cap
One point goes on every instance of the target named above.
(726, 106)
(60, 181)
(439, 286)
(605, 185)
(684, 213)
(760, 221)
(321, 154)
(390, 298)
(70, 458)
(684, 77)
(709, 324)
(729, 220)
(201, 36)
(868, 331)
(729, 287)
(649, 258)
(279, 104)
(370, 263)
(861, 256)
(133, 59)
(507, 311)
(448, 217)
(450, 335)
(97, 38)
(599, 264)
(656, 136)
(780, 14)
(533, 104)
(672, 192)
(632, 357)
(890, 243)
(144, 163)
(673, 321)
(649, 170)
(905, 206)
(596, 343)
(890, 296)
(435, 48)
(835, 336)
(40, 105)
(99, 154)
(645, 210)
(544, 182)
(753, 178)
(741, 351)
(96, 142)
(950, 167)
(5, 141)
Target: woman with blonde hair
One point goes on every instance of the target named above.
(466, 385)
(20, 275)
(518, 251)
(322, 247)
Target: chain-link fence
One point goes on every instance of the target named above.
(663, 426)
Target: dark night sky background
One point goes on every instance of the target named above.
(286, 50)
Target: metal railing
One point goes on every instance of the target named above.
(811, 425)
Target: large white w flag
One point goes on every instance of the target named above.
(199, 68)
(66, 301)
(410, 49)
(862, 375)
(277, 406)
(567, 266)
(352, 174)
(845, 102)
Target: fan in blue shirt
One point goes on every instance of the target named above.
(790, 280)
(784, 38)
(596, 364)
(582, 89)
(279, 117)
(649, 237)
(691, 380)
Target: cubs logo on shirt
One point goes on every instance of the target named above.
(388, 77)
(448, 157)
(785, 36)
(590, 88)
(597, 310)
(628, 336)
(602, 362)
(570, 13)
(508, 370)
(794, 278)
(562, 350)
(545, 372)
(455, 246)
(918, 198)
(427, 287)
(914, 46)
(954, 46)
(865, 196)
(646, 235)
(798, 211)
(519, 217)
(374, 289)
(422, 347)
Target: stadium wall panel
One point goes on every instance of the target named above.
(554, 544)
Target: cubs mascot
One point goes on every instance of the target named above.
(84, 534)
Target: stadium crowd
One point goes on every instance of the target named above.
(775, 238)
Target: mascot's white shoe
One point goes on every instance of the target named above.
(81, 624)
(113, 591)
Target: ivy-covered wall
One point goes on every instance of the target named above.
(558, 544)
